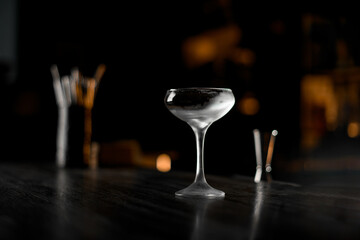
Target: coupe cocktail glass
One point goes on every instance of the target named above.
(199, 107)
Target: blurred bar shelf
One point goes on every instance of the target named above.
(43, 202)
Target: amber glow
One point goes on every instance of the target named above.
(318, 92)
(199, 50)
(212, 46)
(248, 105)
(243, 56)
(320, 108)
(353, 129)
(163, 163)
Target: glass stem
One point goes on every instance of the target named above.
(200, 139)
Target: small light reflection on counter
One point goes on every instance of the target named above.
(163, 162)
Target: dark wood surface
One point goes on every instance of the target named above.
(41, 202)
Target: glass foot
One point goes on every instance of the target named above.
(200, 190)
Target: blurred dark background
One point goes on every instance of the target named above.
(261, 53)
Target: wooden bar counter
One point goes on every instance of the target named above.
(42, 202)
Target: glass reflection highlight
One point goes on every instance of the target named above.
(259, 199)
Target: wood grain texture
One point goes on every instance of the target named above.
(42, 202)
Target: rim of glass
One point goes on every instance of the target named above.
(200, 88)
